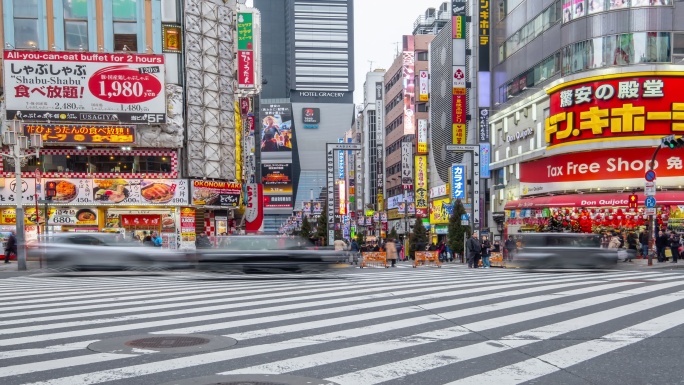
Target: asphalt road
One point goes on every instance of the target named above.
(354, 327)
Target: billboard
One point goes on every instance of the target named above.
(51, 86)
(422, 137)
(254, 213)
(483, 124)
(421, 190)
(484, 30)
(423, 86)
(616, 107)
(276, 178)
(276, 128)
(212, 193)
(440, 211)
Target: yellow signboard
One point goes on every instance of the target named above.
(439, 211)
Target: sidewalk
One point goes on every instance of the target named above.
(643, 264)
(13, 267)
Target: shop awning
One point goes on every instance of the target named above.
(593, 200)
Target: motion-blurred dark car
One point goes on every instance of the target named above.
(267, 254)
(563, 250)
(102, 251)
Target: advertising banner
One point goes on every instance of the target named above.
(84, 87)
(422, 137)
(132, 220)
(276, 178)
(187, 227)
(72, 216)
(254, 213)
(210, 193)
(485, 159)
(459, 27)
(342, 196)
(459, 110)
(440, 211)
(421, 190)
(408, 71)
(622, 168)
(82, 133)
(458, 79)
(378, 90)
(407, 165)
(617, 108)
(245, 54)
(423, 86)
(458, 182)
(105, 192)
(276, 129)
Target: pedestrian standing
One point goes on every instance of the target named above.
(474, 249)
(662, 241)
(674, 246)
(643, 240)
(631, 246)
(510, 247)
(605, 240)
(11, 246)
(486, 252)
(391, 250)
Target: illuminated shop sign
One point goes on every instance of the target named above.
(623, 108)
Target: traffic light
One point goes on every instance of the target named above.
(671, 142)
(633, 201)
(50, 190)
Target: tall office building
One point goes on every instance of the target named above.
(308, 56)
(583, 92)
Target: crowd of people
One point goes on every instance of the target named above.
(630, 245)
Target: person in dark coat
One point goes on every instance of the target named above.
(474, 248)
(631, 246)
(674, 246)
(643, 240)
(11, 246)
(510, 247)
(662, 241)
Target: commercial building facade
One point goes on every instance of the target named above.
(583, 94)
(134, 124)
(307, 55)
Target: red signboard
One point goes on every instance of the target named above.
(633, 107)
(131, 220)
(665, 198)
(617, 168)
(245, 69)
(459, 110)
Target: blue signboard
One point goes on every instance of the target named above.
(458, 183)
(650, 202)
(485, 159)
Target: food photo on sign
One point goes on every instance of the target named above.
(209, 193)
(110, 190)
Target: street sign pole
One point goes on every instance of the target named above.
(650, 203)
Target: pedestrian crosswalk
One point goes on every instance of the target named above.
(376, 326)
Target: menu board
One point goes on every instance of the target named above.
(210, 193)
(69, 216)
(112, 192)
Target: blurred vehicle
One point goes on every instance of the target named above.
(105, 251)
(563, 250)
(264, 254)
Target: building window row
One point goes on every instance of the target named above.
(536, 75)
(393, 169)
(394, 124)
(574, 9)
(422, 56)
(616, 50)
(394, 102)
(396, 146)
(76, 25)
(530, 31)
(393, 81)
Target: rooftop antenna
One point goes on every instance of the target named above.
(396, 44)
(371, 66)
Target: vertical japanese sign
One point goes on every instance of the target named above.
(458, 107)
(407, 166)
(421, 190)
(458, 182)
(483, 124)
(483, 44)
(340, 161)
(342, 198)
(245, 50)
(378, 90)
(422, 137)
(408, 71)
(423, 86)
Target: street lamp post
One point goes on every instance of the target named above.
(18, 144)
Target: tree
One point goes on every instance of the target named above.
(305, 230)
(393, 234)
(322, 226)
(456, 229)
(360, 237)
(419, 235)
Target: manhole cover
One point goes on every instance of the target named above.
(167, 342)
(251, 379)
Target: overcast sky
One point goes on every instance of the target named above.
(378, 26)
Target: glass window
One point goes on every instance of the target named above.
(123, 164)
(76, 24)
(125, 18)
(25, 24)
(678, 44)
